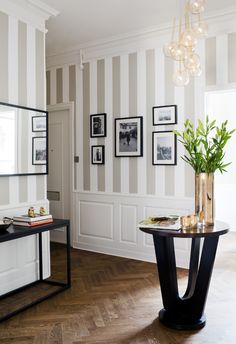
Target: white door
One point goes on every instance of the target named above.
(58, 183)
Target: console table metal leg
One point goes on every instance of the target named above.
(40, 257)
(68, 256)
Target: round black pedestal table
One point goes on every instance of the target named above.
(186, 312)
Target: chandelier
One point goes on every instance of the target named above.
(183, 48)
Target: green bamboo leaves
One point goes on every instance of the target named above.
(205, 145)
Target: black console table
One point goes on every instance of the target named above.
(14, 232)
(185, 313)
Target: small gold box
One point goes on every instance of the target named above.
(189, 221)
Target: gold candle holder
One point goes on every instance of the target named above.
(189, 221)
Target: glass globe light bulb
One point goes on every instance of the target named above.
(196, 6)
(181, 78)
(195, 71)
(188, 38)
(167, 48)
(192, 61)
(179, 53)
(200, 29)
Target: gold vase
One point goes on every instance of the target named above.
(204, 198)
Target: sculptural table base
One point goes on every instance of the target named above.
(184, 313)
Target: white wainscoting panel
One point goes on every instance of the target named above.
(96, 220)
(107, 223)
(128, 224)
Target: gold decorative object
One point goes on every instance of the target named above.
(31, 212)
(204, 198)
(189, 221)
(42, 211)
(182, 48)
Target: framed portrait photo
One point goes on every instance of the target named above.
(98, 125)
(39, 123)
(98, 155)
(164, 148)
(164, 115)
(129, 136)
(39, 150)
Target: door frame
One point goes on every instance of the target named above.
(70, 108)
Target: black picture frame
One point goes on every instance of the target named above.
(98, 125)
(39, 124)
(164, 148)
(39, 150)
(98, 155)
(164, 115)
(129, 136)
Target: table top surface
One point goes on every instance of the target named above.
(16, 232)
(219, 228)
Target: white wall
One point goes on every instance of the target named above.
(126, 190)
(22, 69)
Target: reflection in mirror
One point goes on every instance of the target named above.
(23, 140)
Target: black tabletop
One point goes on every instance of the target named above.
(219, 228)
(15, 232)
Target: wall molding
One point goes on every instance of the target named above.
(139, 245)
(155, 36)
(33, 12)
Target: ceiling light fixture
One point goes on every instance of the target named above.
(183, 48)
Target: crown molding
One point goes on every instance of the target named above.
(32, 12)
(219, 22)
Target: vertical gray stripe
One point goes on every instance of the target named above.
(189, 110)
(22, 70)
(211, 61)
(116, 113)
(101, 109)
(24, 142)
(22, 98)
(48, 83)
(4, 57)
(133, 164)
(59, 85)
(40, 96)
(86, 124)
(169, 100)
(150, 80)
(4, 182)
(40, 69)
(23, 187)
(72, 98)
(232, 57)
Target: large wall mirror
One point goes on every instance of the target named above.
(23, 140)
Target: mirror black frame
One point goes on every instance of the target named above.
(46, 131)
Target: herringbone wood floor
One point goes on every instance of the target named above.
(116, 301)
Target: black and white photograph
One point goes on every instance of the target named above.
(98, 125)
(39, 153)
(163, 148)
(39, 123)
(98, 155)
(164, 115)
(129, 136)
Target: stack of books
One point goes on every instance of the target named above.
(170, 222)
(37, 220)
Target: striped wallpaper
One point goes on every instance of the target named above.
(22, 70)
(130, 85)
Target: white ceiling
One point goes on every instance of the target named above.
(82, 21)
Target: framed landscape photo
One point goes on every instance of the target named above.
(39, 123)
(164, 115)
(164, 148)
(39, 150)
(98, 125)
(129, 136)
(98, 155)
